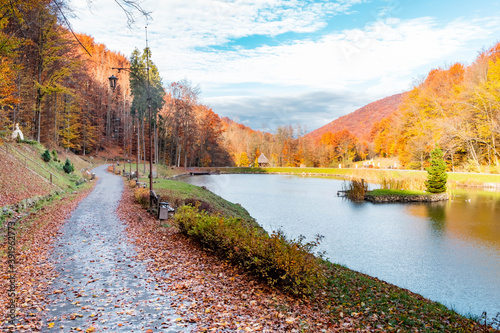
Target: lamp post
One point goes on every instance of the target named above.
(112, 84)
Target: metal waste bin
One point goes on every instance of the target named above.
(164, 210)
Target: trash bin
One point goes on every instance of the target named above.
(163, 210)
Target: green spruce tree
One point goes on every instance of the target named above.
(68, 167)
(46, 155)
(436, 173)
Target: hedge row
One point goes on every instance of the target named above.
(287, 264)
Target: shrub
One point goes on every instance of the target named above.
(288, 264)
(141, 196)
(174, 199)
(30, 142)
(356, 189)
(54, 155)
(132, 183)
(68, 167)
(200, 205)
(46, 155)
(414, 166)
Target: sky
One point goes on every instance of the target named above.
(267, 63)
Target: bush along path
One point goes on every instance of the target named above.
(101, 285)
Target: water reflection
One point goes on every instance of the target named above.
(469, 215)
(437, 217)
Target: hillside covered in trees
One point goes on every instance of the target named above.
(57, 90)
(457, 108)
(55, 85)
(361, 121)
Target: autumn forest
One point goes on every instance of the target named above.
(54, 84)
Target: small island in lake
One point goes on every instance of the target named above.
(357, 190)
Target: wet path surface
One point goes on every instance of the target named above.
(101, 286)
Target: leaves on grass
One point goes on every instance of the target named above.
(19, 183)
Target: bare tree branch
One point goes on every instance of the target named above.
(71, 28)
(130, 8)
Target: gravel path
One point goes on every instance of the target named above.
(101, 286)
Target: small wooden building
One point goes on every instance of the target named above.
(263, 161)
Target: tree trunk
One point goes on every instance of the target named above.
(68, 121)
(143, 147)
(156, 143)
(38, 114)
(138, 147)
(179, 157)
(56, 126)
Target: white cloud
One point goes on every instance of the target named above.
(381, 58)
(181, 25)
(388, 50)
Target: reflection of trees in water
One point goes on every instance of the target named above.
(437, 216)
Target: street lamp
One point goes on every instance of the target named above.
(112, 84)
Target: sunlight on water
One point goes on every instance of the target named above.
(448, 252)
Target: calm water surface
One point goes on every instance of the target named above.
(448, 252)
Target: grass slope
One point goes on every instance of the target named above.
(27, 176)
(179, 193)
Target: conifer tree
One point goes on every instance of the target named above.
(68, 167)
(436, 173)
(46, 155)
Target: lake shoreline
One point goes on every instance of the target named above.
(455, 179)
(406, 198)
(345, 283)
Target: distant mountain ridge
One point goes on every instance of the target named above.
(360, 122)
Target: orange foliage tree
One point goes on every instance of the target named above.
(457, 108)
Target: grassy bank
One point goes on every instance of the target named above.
(387, 307)
(383, 192)
(30, 181)
(180, 193)
(342, 293)
(415, 178)
(29, 154)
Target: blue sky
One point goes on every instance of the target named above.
(267, 63)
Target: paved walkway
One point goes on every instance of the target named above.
(101, 284)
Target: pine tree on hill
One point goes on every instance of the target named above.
(46, 155)
(68, 167)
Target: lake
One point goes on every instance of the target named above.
(448, 251)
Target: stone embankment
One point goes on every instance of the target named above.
(407, 198)
(9, 210)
